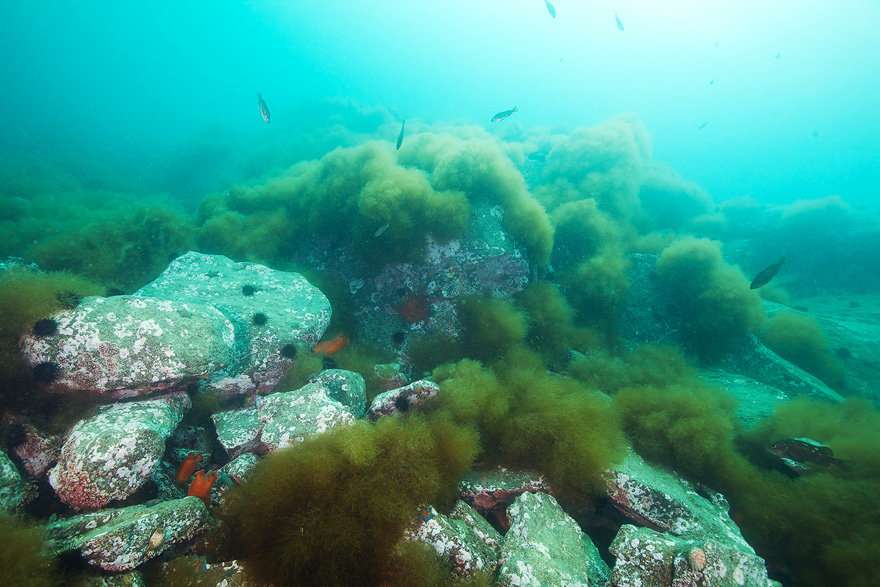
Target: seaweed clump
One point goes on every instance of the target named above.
(334, 490)
(710, 297)
(800, 340)
(24, 559)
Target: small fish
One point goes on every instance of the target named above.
(550, 8)
(381, 230)
(188, 467)
(201, 486)
(712, 82)
(264, 109)
(504, 114)
(619, 22)
(332, 346)
(765, 275)
(400, 136)
(802, 455)
(778, 55)
(157, 538)
(703, 125)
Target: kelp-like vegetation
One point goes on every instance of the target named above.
(354, 490)
(24, 558)
(799, 339)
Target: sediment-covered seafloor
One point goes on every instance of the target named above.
(535, 361)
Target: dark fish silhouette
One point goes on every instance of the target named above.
(619, 22)
(803, 455)
(550, 8)
(400, 136)
(703, 125)
(766, 274)
(264, 109)
(504, 114)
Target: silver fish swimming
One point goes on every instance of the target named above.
(504, 114)
(618, 21)
(400, 136)
(550, 8)
(264, 109)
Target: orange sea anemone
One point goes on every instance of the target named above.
(201, 486)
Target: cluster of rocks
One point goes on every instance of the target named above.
(671, 535)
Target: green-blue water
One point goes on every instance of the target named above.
(578, 275)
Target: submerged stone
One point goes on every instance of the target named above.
(296, 312)
(122, 539)
(237, 430)
(290, 417)
(646, 558)
(463, 538)
(112, 454)
(15, 491)
(127, 346)
(195, 571)
(403, 399)
(346, 387)
(240, 468)
(544, 546)
(38, 451)
(491, 491)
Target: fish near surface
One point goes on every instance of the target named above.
(550, 8)
(264, 109)
(619, 22)
(504, 114)
(765, 275)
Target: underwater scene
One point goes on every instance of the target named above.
(526, 293)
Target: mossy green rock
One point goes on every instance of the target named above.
(127, 346)
(544, 546)
(240, 468)
(651, 496)
(491, 491)
(290, 417)
(237, 430)
(15, 491)
(122, 539)
(646, 558)
(295, 312)
(346, 387)
(463, 538)
(110, 455)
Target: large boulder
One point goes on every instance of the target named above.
(491, 491)
(402, 399)
(463, 538)
(544, 546)
(273, 313)
(15, 491)
(126, 346)
(646, 558)
(346, 387)
(121, 539)
(112, 454)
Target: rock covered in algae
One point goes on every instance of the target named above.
(463, 538)
(544, 546)
(131, 579)
(646, 558)
(653, 497)
(237, 430)
(491, 491)
(403, 398)
(126, 346)
(37, 451)
(15, 491)
(110, 455)
(290, 417)
(122, 539)
(273, 313)
(346, 387)
(194, 571)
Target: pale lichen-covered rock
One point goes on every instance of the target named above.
(295, 312)
(390, 376)
(38, 451)
(126, 346)
(346, 387)
(290, 417)
(240, 468)
(15, 491)
(663, 501)
(544, 546)
(646, 558)
(403, 399)
(237, 430)
(110, 455)
(491, 491)
(598, 571)
(463, 538)
(755, 401)
(122, 539)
